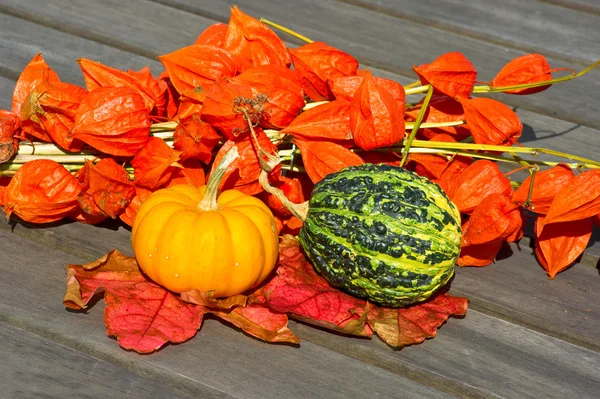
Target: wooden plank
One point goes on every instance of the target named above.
(21, 40)
(37, 367)
(220, 360)
(395, 45)
(6, 89)
(530, 26)
(590, 6)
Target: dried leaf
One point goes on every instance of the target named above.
(321, 158)
(329, 121)
(560, 244)
(155, 164)
(491, 122)
(546, 185)
(452, 74)
(112, 120)
(476, 182)
(318, 62)
(36, 72)
(376, 120)
(195, 139)
(41, 191)
(207, 299)
(253, 43)
(529, 68)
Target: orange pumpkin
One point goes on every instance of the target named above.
(186, 238)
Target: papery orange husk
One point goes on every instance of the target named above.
(452, 74)
(491, 122)
(187, 108)
(223, 107)
(128, 215)
(97, 75)
(344, 87)
(546, 184)
(107, 188)
(329, 121)
(155, 164)
(577, 200)
(192, 173)
(528, 68)
(36, 72)
(54, 106)
(479, 255)
(292, 188)
(112, 120)
(560, 244)
(253, 43)
(283, 90)
(9, 145)
(243, 173)
(428, 165)
(195, 139)
(495, 218)
(171, 95)
(388, 157)
(453, 170)
(376, 120)
(41, 191)
(321, 158)
(195, 66)
(441, 109)
(214, 35)
(476, 182)
(318, 62)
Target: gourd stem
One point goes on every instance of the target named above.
(209, 202)
(298, 210)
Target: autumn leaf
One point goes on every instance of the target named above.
(376, 120)
(321, 158)
(113, 120)
(41, 191)
(195, 138)
(528, 68)
(155, 164)
(560, 244)
(491, 122)
(329, 121)
(577, 200)
(107, 189)
(476, 182)
(546, 184)
(36, 72)
(9, 123)
(452, 74)
(318, 62)
(253, 43)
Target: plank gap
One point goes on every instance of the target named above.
(577, 6)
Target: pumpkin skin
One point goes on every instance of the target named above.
(182, 247)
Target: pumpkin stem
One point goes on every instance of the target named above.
(209, 202)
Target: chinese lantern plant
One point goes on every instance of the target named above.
(187, 238)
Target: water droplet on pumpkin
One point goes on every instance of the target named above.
(155, 249)
(237, 264)
(177, 275)
(149, 255)
(167, 257)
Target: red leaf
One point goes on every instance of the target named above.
(113, 120)
(452, 74)
(476, 182)
(36, 72)
(155, 164)
(318, 62)
(491, 122)
(41, 191)
(560, 244)
(376, 120)
(495, 218)
(300, 292)
(529, 68)
(142, 315)
(321, 158)
(195, 139)
(329, 121)
(260, 322)
(546, 185)
(214, 35)
(253, 43)
(579, 199)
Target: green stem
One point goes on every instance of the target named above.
(416, 126)
(209, 201)
(286, 30)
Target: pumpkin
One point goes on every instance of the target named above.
(187, 238)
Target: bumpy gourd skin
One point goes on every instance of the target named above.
(382, 233)
(182, 247)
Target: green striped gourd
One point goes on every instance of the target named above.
(382, 233)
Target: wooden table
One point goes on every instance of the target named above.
(524, 336)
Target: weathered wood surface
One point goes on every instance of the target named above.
(524, 335)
